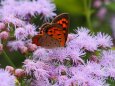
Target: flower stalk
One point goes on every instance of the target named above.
(87, 8)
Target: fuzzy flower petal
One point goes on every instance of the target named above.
(20, 33)
(30, 30)
(84, 39)
(6, 79)
(104, 40)
(15, 45)
(45, 7)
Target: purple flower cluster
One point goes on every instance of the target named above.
(26, 8)
(87, 59)
(66, 66)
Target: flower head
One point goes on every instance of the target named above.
(45, 7)
(6, 79)
(13, 20)
(104, 40)
(38, 71)
(108, 58)
(30, 30)
(85, 39)
(15, 45)
(20, 33)
(41, 54)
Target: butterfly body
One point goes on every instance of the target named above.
(53, 34)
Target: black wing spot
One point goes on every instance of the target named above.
(50, 31)
(51, 35)
(58, 34)
(59, 38)
(64, 22)
(64, 28)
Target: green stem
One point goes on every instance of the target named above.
(8, 59)
(87, 7)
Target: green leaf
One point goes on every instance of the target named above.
(111, 81)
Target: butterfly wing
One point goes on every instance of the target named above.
(51, 36)
(63, 21)
(56, 32)
(48, 42)
(43, 27)
(35, 39)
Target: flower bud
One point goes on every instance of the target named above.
(4, 35)
(19, 73)
(2, 26)
(71, 37)
(10, 69)
(31, 47)
(23, 49)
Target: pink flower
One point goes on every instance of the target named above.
(10, 69)
(4, 35)
(23, 49)
(19, 73)
(2, 26)
(31, 47)
(71, 37)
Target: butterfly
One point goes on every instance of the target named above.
(53, 34)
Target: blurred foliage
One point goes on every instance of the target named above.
(111, 6)
(78, 14)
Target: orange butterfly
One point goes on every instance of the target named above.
(53, 34)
